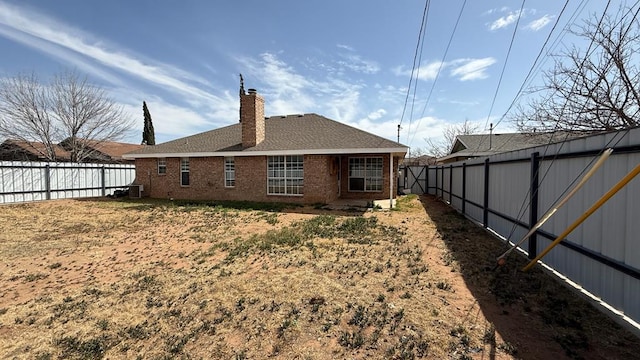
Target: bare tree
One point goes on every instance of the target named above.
(442, 146)
(68, 110)
(25, 114)
(594, 91)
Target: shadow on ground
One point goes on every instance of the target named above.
(536, 316)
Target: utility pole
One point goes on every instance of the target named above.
(490, 133)
(399, 133)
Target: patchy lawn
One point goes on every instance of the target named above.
(90, 279)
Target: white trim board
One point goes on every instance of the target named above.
(402, 150)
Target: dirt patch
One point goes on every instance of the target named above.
(156, 279)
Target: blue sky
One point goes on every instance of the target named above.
(347, 60)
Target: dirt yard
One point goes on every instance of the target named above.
(100, 278)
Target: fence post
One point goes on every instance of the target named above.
(436, 188)
(47, 181)
(104, 183)
(451, 184)
(426, 179)
(533, 200)
(442, 182)
(464, 188)
(485, 207)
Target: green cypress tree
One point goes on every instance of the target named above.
(148, 134)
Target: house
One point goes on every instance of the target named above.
(103, 151)
(421, 160)
(295, 158)
(480, 145)
(100, 151)
(19, 150)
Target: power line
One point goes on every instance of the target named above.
(415, 86)
(435, 80)
(535, 62)
(504, 66)
(415, 57)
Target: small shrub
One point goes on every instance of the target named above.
(351, 340)
(443, 285)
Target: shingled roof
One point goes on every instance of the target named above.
(291, 134)
(477, 145)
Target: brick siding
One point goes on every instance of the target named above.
(207, 180)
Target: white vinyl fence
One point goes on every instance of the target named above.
(33, 181)
(507, 193)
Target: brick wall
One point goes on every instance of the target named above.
(207, 180)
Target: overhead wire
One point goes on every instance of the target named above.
(415, 86)
(535, 62)
(437, 76)
(504, 66)
(415, 58)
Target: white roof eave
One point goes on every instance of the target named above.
(398, 150)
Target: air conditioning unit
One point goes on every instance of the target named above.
(135, 191)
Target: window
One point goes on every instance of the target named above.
(285, 175)
(229, 172)
(184, 171)
(162, 166)
(365, 174)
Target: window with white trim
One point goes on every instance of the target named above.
(365, 174)
(162, 166)
(229, 172)
(184, 171)
(285, 175)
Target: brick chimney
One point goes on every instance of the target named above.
(251, 118)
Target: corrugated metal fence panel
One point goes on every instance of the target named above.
(446, 175)
(509, 189)
(632, 215)
(456, 188)
(475, 191)
(27, 181)
(431, 180)
(116, 175)
(611, 233)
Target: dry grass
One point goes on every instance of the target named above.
(160, 280)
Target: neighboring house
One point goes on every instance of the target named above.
(420, 161)
(18, 150)
(296, 158)
(480, 145)
(101, 152)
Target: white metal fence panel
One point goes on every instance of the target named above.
(33, 181)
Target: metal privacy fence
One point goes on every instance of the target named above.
(33, 181)
(602, 256)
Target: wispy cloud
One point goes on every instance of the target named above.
(81, 48)
(505, 20)
(356, 63)
(377, 114)
(346, 47)
(538, 24)
(427, 71)
(290, 92)
(472, 69)
(495, 10)
(463, 69)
